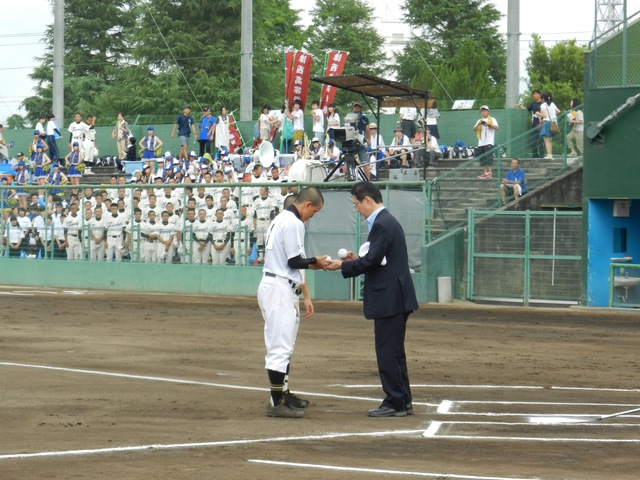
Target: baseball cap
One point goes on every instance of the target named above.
(150, 128)
(20, 154)
(485, 107)
(5, 179)
(373, 125)
(146, 167)
(167, 154)
(76, 144)
(206, 109)
(296, 143)
(315, 139)
(398, 128)
(36, 132)
(185, 106)
(192, 154)
(176, 161)
(55, 164)
(357, 103)
(21, 164)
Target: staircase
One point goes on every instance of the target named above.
(455, 188)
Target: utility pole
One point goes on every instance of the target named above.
(246, 62)
(513, 53)
(58, 61)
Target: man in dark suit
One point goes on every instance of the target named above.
(389, 295)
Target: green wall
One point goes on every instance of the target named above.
(611, 168)
(453, 125)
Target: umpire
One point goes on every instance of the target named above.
(282, 282)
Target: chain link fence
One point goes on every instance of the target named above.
(525, 256)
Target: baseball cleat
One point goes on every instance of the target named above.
(284, 410)
(294, 400)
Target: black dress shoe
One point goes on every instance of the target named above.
(383, 411)
(409, 408)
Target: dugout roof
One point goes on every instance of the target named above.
(387, 92)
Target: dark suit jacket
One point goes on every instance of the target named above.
(388, 289)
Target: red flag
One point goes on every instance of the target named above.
(235, 137)
(297, 77)
(336, 61)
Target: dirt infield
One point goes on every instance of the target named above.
(123, 386)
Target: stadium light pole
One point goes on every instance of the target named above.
(246, 62)
(58, 61)
(513, 53)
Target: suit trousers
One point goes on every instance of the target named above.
(392, 360)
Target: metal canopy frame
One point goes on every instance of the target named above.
(386, 92)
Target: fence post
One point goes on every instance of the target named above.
(527, 266)
(470, 249)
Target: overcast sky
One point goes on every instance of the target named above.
(24, 24)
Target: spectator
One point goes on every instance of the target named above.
(121, 134)
(318, 121)
(53, 134)
(90, 148)
(150, 144)
(362, 127)
(513, 182)
(375, 145)
(408, 121)
(575, 138)
(206, 131)
(185, 126)
(534, 109)
(485, 129)
(432, 116)
(296, 115)
(549, 116)
(4, 148)
(77, 129)
(265, 124)
(13, 236)
(333, 119)
(40, 160)
(74, 159)
(21, 179)
(430, 152)
(223, 134)
(401, 146)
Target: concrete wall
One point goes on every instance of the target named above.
(564, 192)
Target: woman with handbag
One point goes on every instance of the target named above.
(121, 135)
(548, 126)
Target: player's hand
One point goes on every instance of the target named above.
(334, 265)
(321, 263)
(308, 308)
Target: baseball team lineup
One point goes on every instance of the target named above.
(389, 295)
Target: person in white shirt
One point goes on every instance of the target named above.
(401, 146)
(265, 123)
(318, 121)
(333, 119)
(375, 142)
(220, 239)
(96, 234)
(114, 226)
(408, 121)
(52, 136)
(296, 115)
(485, 129)
(77, 129)
(575, 138)
(72, 225)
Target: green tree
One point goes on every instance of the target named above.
(459, 43)
(15, 122)
(558, 69)
(344, 25)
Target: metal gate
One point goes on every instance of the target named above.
(532, 256)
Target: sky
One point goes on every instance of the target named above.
(25, 22)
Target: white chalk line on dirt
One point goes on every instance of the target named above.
(537, 439)
(581, 404)
(383, 471)
(501, 387)
(220, 443)
(188, 382)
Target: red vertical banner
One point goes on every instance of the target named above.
(297, 77)
(336, 61)
(288, 63)
(235, 137)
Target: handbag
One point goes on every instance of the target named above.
(555, 128)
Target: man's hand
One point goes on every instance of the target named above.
(334, 265)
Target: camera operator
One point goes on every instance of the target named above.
(362, 127)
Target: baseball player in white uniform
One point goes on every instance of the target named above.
(202, 231)
(242, 238)
(220, 239)
(166, 234)
(282, 282)
(150, 244)
(264, 210)
(136, 232)
(114, 241)
(72, 225)
(97, 233)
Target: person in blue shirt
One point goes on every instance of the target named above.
(184, 125)
(513, 182)
(206, 130)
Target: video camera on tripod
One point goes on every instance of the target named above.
(348, 137)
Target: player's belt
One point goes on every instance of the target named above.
(115, 236)
(263, 219)
(296, 288)
(72, 234)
